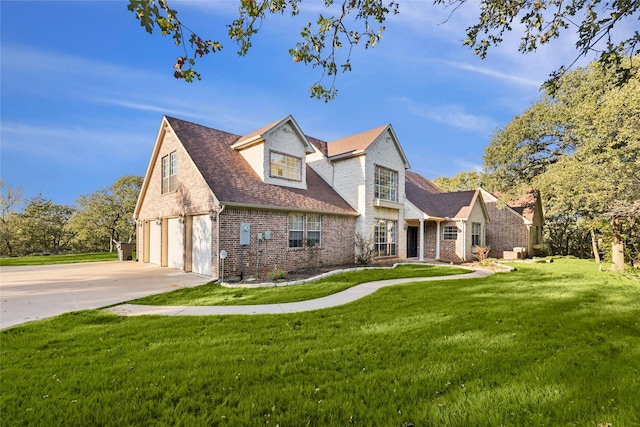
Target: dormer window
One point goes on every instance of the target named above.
(386, 184)
(284, 166)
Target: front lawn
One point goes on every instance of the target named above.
(547, 345)
(60, 259)
(215, 294)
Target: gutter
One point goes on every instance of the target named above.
(286, 209)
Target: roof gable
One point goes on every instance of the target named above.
(526, 206)
(357, 144)
(429, 199)
(258, 136)
(234, 182)
(165, 128)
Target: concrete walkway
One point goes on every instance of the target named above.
(340, 298)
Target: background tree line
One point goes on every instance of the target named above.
(579, 144)
(37, 225)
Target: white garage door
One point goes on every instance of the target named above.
(155, 242)
(201, 245)
(175, 244)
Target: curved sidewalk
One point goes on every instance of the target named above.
(348, 295)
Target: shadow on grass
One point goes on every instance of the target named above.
(482, 352)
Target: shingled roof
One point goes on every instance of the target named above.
(417, 181)
(234, 182)
(354, 143)
(427, 197)
(526, 204)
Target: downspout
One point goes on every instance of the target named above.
(421, 239)
(438, 239)
(464, 241)
(218, 212)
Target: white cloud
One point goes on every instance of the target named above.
(452, 115)
(509, 77)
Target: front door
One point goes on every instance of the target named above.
(412, 242)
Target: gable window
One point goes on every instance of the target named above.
(283, 166)
(450, 232)
(476, 229)
(386, 184)
(169, 173)
(385, 237)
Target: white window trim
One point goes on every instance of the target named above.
(169, 173)
(390, 238)
(479, 233)
(285, 168)
(305, 230)
(392, 188)
(446, 234)
(295, 230)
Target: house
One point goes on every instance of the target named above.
(216, 203)
(516, 226)
(444, 226)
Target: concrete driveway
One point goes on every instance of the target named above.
(37, 292)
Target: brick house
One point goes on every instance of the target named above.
(516, 226)
(214, 202)
(443, 226)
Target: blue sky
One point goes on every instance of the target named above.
(84, 88)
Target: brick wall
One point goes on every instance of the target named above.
(337, 247)
(450, 250)
(192, 196)
(505, 231)
(430, 237)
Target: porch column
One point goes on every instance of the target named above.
(438, 240)
(421, 239)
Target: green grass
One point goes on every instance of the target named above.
(215, 294)
(60, 259)
(548, 345)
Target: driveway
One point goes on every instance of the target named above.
(37, 292)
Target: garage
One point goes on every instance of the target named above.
(175, 244)
(201, 245)
(155, 242)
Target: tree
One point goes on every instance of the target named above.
(106, 216)
(465, 180)
(42, 226)
(349, 23)
(10, 201)
(580, 146)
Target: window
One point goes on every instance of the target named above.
(386, 184)
(169, 171)
(297, 230)
(314, 229)
(476, 229)
(283, 166)
(385, 237)
(450, 232)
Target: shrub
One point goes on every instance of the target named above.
(277, 273)
(364, 249)
(482, 252)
